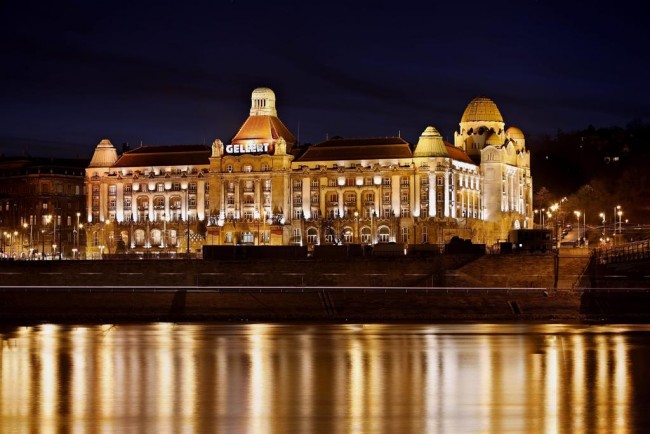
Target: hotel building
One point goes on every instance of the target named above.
(261, 188)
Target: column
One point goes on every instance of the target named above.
(200, 199)
(432, 195)
(446, 204)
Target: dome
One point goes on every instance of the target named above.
(263, 102)
(515, 133)
(482, 109)
(493, 140)
(105, 154)
(430, 144)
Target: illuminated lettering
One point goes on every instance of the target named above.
(248, 148)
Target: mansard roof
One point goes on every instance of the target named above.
(358, 149)
(177, 155)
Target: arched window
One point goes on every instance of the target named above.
(383, 235)
(312, 236)
(348, 235)
(366, 235)
(139, 237)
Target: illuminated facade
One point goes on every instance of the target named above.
(261, 189)
(41, 207)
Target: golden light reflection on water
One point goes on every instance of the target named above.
(275, 379)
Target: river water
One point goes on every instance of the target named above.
(373, 378)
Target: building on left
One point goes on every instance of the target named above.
(42, 208)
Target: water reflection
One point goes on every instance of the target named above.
(261, 378)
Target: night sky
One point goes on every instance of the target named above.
(159, 74)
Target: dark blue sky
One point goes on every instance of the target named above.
(76, 72)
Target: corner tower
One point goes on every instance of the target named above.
(481, 120)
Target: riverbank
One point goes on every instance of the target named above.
(440, 288)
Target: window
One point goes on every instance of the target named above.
(229, 168)
(405, 235)
(297, 184)
(248, 215)
(386, 197)
(247, 238)
(314, 199)
(367, 181)
(439, 180)
(349, 182)
(405, 197)
(248, 168)
(331, 182)
(127, 188)
(267, 185)
(404, 181)
(386, 182)
(365, 235)
(406, 212)
(112, 190)
(350, 199)
(159, 202)
(265, 167)
(387, 213)
(228, 237)
(160, 187)
(333, 198)
(315, 183)
(384, 235)
(176, 186)
(111, 204)
(348, 236)
(312, 236)
(192, 187)
(369, 198)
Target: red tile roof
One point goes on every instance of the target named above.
(264, 128)
(177, 155)
(458, 154)
(358, 149)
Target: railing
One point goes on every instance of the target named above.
(636, 251)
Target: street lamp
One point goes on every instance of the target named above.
(602, 216)
(577, 213)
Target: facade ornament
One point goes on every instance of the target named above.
(217, 148)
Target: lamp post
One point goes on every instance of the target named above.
(602, 216)
(577, 213)
(620, 215)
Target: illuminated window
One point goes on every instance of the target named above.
(112, 190)
(405, 235)
(424, 235)
(348, 236)
(248, 168)
(365, 235)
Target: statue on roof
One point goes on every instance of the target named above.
(217, 148)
